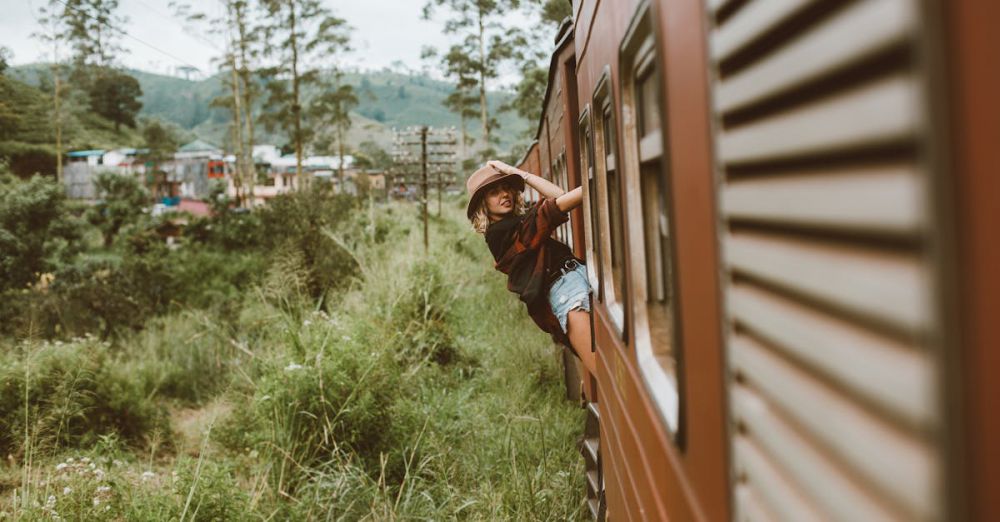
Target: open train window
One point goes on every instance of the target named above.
(590, 230)
(610, 196)
(646, 171)
(566, 229)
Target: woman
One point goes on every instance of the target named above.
(546, 275)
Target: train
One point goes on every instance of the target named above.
(789, 226)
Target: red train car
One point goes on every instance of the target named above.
(787, 222)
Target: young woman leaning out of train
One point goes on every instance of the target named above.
(543, 271)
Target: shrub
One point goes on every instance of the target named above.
(70, 394)
(304, 412)
(36, 231)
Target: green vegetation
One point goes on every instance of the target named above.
(305, 364)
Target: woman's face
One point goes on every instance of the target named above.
(499, 200)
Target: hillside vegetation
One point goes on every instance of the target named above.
(387, 99)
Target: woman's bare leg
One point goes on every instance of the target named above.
(578, 330)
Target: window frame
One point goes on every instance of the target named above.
(602, 97)
(637, 58)
(592, 252)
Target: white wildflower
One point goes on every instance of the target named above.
(346, 338)
(118, 463)
(85, 460)
(293, 367)
(103, 489)
(147, 475)
(306, 322)
(97, 502)
(67, 490)
(61, 466)
(70, 460)
(50, 502)
(99, 473)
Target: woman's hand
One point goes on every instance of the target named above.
(507, 169)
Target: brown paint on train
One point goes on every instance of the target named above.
(651, 476)
(973, 52)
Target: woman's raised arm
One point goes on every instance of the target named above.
(544, 187)
(570, 200)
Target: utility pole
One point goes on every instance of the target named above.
(437, 157)
(423, 163)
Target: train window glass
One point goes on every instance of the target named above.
(614, 205)
(646, 170)
(593, 250)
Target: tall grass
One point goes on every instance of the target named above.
(419, 390)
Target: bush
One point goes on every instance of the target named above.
(422, 317)
(37, 233)
(73, 393)
(303, 412)
(315, 223)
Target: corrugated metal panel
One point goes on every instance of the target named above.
(834, 395)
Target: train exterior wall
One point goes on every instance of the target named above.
(974, 43)
(648, 475)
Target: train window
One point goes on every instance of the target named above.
(567, 227)
(646, 172)
(610, 195)
(593, 250)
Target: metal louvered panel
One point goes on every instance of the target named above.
(884, 199)
(873, 26)
(830, 124)
(826, 212)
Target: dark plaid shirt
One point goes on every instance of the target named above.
(523, 248)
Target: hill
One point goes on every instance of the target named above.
(387, 99)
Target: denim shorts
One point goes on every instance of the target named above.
(570, 292)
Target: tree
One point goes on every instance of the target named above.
(332, 109)
(115, 95)
(37, 233)
(239, 64)
(370, 156)
(91, 32)
(54, 34)
(121, 203)
(553, 12)
(307, 34)
(534, 75)
(486, 43)
(5, 56)
(459, 68)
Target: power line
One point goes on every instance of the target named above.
(123, 32)
(187, 30)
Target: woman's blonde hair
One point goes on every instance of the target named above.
(481, 217)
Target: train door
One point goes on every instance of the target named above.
(833, 232)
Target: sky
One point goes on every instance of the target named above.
(385, 31)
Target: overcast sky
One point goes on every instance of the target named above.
(384, 31)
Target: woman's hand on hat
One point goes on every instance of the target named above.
(505, 168)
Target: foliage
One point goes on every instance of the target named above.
(309, 223)
(305, 30)
(5, 56)
(484, 46)
(37, 233)
(530, 92)
(91, 32)
(332, 109)
(71, 394)
(160, 139)
(115, 96)
(122, 201)
(370, 156)
(305, 414)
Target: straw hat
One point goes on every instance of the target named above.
(485, 176)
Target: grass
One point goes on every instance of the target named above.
(421, 392)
